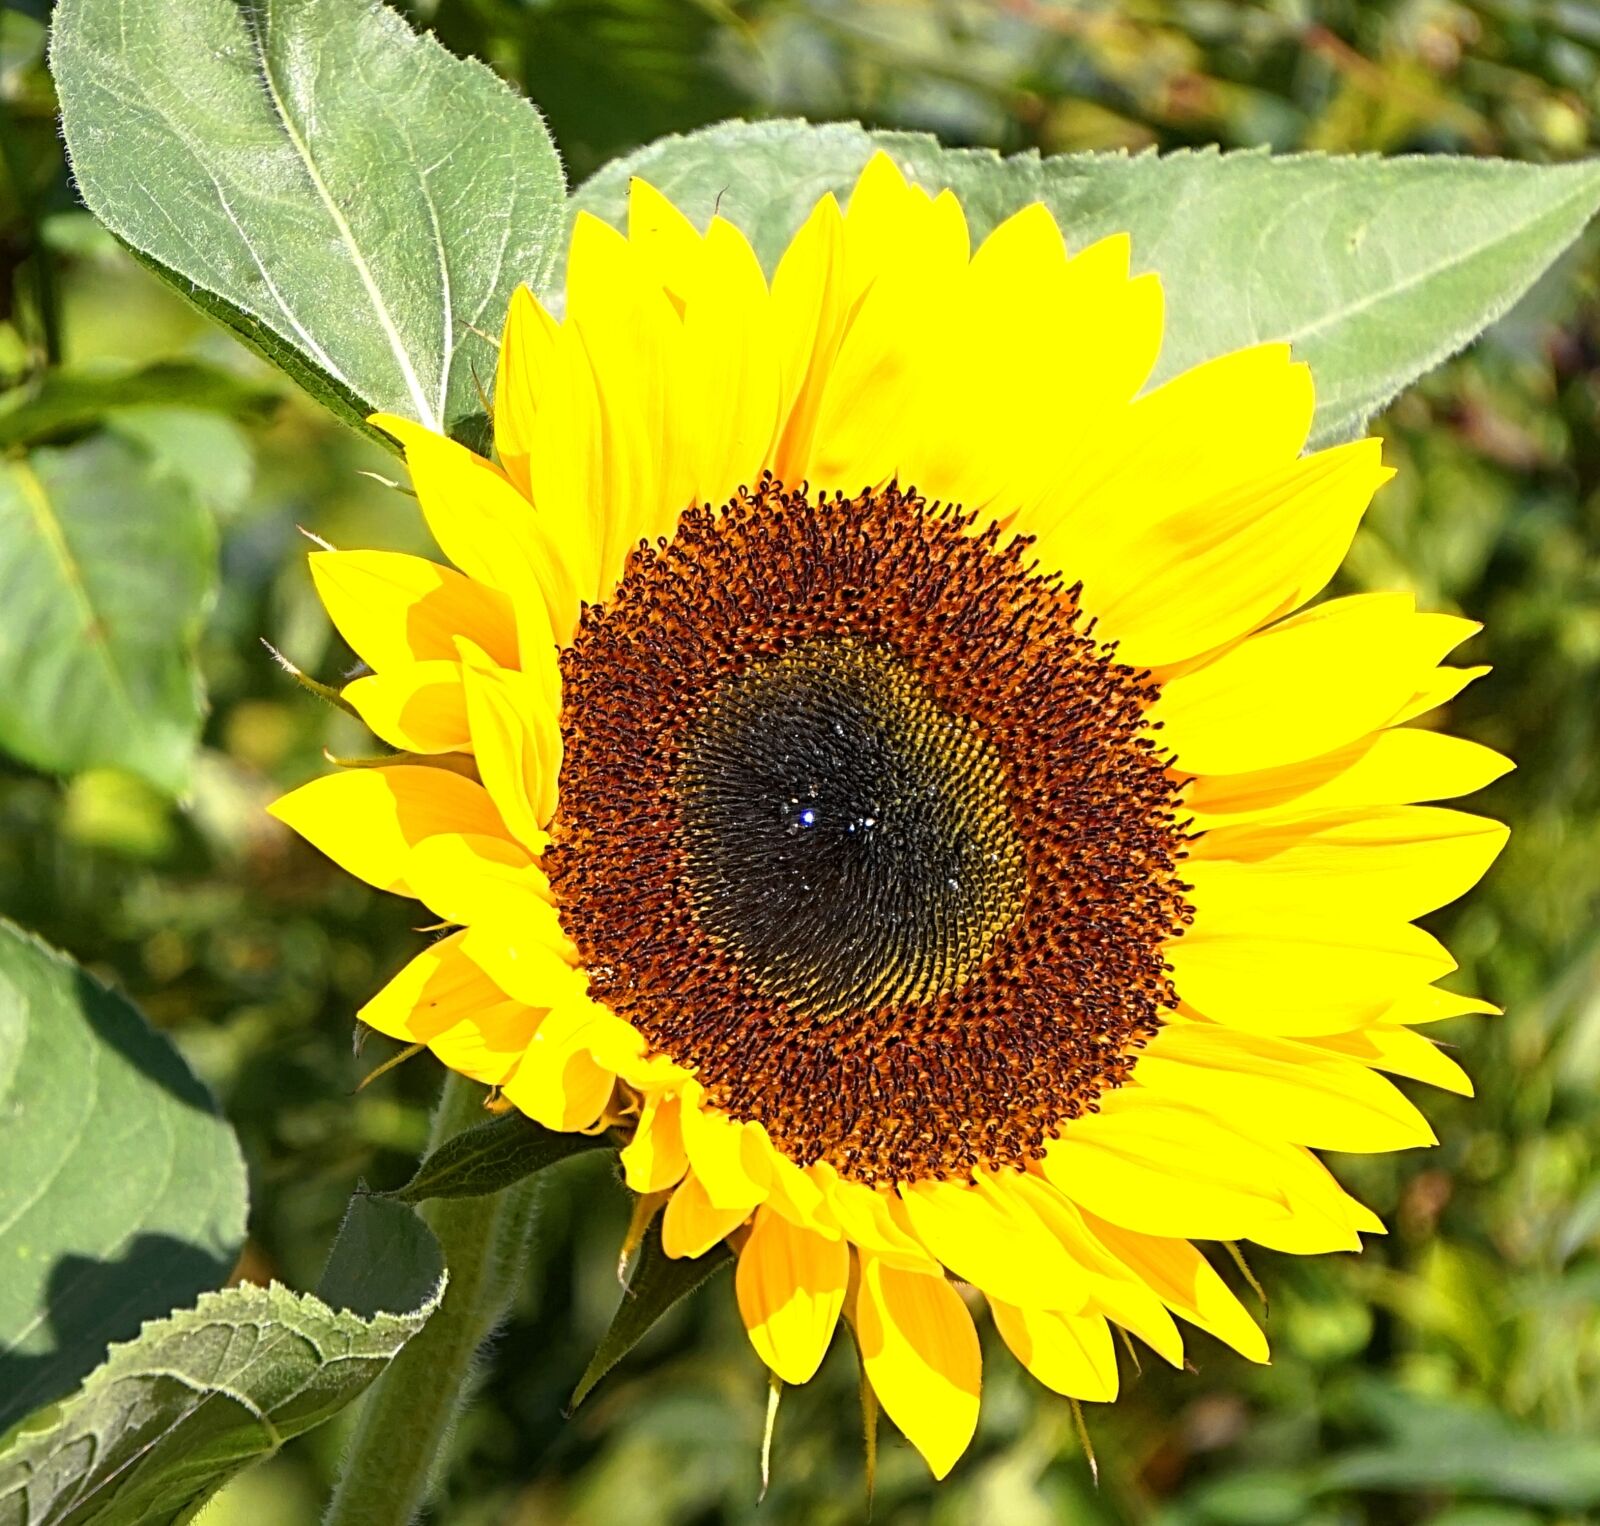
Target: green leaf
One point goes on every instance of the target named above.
(173, 1415)
(492, 1156)
(1374, 269)
(657, 1283)
(62, 402)
(123, 1193)
(108, 565)
(352, 201)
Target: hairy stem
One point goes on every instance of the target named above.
(403, 1428)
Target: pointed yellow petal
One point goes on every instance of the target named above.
(1186, 1282)
(1324, 1218)
(654, 1159)
(1434, 689)
(1166, 1169)
(790, 1285)
(416, 706)
(485, 526)
(1391, 861)
(920, 1352)
(395, 609)
(995, 1241)
(1070, 1354)
(443, 1000)
(466, 878)
(664, 238)
(1303, 687)
(1395, 767)
(367, 820)
(867, 1219)
(560, 1083)
(1250, 966)
(730, 1159)
(516, 738)
(1285, 1089)
(1185, 580)
(808, 318)
(1401, 1052)
(691, 1225)
(526, 344)
(1179, 444)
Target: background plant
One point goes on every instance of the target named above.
(1447, 1375)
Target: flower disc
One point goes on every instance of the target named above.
(851, 808)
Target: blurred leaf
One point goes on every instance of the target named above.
(107, 567)
(492, 1156)
(206, 450)
(173, 1415)
(1374, 269)
(658, 1282)
(123, 1192)
(349, 199)
(60, 402)
(1434, 1444)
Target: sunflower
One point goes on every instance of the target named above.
(871, 750)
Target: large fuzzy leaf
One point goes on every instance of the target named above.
(122, 1192)
(1373, 269)
(350, 199)
(174, 1414)
(108, 565)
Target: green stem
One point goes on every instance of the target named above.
(403, 1428)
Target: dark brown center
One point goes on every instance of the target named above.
(860, 823)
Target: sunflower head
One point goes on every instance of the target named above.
(871, 752)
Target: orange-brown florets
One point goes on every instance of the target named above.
(859, 823)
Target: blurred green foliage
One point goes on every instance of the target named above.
(1451, 1374)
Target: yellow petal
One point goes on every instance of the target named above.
(691, 1225)
(654, 1159)
(866, 1216)
(790, 1286)
(1070, 1354)
(416, 706)
(1186, 1282)
(443, 1000)
(531, 961)
(560, 1083)
(367, 820)
(1428, 1004)
(664, 238)
(808, 321)
(730, 1159)
(920, 1352)
(1180, 444)
(484, 525)
(1184, 580)
(1165, 1169)
(1391, 861)
(1324, 1216)
(798, 1195)
(1285, 1089)
(1434, 689)
(466, 878)
(516, 738)
(995, 1241)
(1250, 966)
(1112, 1289)
(1402, 1053)
(395, 609)
(526, 343)
(730, 366)
(1395, 767)
(634, 339)
(1303, 687)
